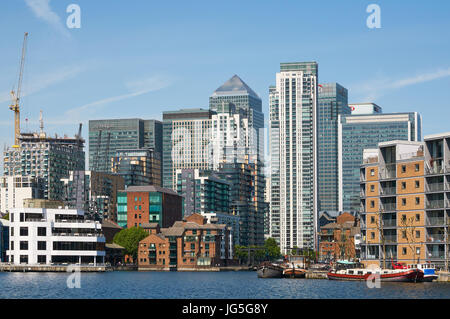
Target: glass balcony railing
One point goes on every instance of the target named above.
(390, 238)
(432, 204)
(435, 221)
(387, 207)
(436, 238)
(435, 187)
(389, 222)
(388, 191)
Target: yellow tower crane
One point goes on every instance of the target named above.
(15, 95)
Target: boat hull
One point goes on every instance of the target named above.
(269, 272)
(410, 275)
(294, 273)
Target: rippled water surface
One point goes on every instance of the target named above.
(242, 285)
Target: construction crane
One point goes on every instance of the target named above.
(15, 95)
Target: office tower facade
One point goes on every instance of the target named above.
(357, 132)
(138, 205)
(108, 136)
(297, 98)
(333, 101)
(404, 202)
(15, 189)
(47, 158)
(203, 191)
(138, 167)
(93, 192)
(186, 142)
(4, 239)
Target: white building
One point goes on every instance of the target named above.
(294, 99)
(14, 189)
(54, 236)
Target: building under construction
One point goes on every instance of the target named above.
(48, 158)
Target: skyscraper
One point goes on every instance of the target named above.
(333, 101)
(108, 136)
(358, 132)
(295, 99)
(186, 142)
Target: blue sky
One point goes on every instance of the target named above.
(140, 58)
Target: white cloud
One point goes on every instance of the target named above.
(135, 88)
(44, 81)
(42, 10)
(376, 88)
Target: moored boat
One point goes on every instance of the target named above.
(428, 269)
(294, 273)
(269, 270)
(394, 275)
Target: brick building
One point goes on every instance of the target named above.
(338, 240)
(191, 244)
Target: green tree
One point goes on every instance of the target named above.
(272, 249)
(129, 239)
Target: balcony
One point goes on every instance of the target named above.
(387, 172)
(436, 238)
(389, 222)
(390, 238)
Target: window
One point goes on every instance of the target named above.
(192, 246)
(403, 185)
(372, 219)
(403, 201)
(417, 233)
(23, 231)
(372, 235)
(417, 250)
(403, 233)
(417, 217)
(12, 231)
(417, 184)
(372, 172)
(372, 204)
(23, 245)
(404, 251)
(12, 245)
(42, 231)
(417, 200)
(372, 188)
(24, 259)
(42, 259)
(42, 245)
(403, 168)
(417, 167)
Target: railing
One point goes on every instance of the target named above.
(435, 187)
(77, 235)
(75, 221)
(387, 173)
(439, 255)
(435, 169)
(390, 238)
(389, 222)
(35, 220)
(388, 191)
(435, 204)
(388, 207)
(438, 238)
(433, 221)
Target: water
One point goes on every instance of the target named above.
(210, 285)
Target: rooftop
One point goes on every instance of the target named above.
(150, 188)
(234, 86)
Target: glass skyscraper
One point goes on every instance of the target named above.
(333, 101)
(359, 132)
(295, 97)
(108, 136)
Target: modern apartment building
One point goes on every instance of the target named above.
(138, 167)
(108, 136)
(47, 158)
(4, 239)
(14, 189)
(294, 108)
(186, 142)
(93, 192)
(54, 236)
(358, 132)
(404, 202)
(191, 244)
(203, 191)
(333, 101)
(148, 204)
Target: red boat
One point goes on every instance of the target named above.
(397, 275)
